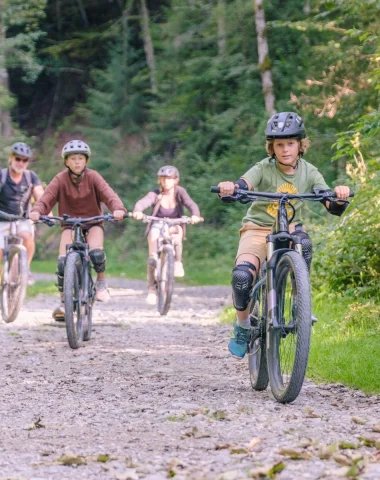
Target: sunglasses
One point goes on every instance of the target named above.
(23, 160)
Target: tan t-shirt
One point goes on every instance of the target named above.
(265, 176)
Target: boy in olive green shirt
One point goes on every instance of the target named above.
(284, 171)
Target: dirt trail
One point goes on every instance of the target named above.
(152, 398)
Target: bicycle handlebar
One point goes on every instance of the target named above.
(10, 217)
(318, 195)
(66, 219)
(170, 221)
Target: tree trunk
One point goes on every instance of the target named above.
(5, 117)
(264, 59)
(221, 16)
(148, 46)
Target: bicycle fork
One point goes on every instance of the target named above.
(274, 322)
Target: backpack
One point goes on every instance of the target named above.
(25, 199)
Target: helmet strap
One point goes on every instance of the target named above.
(294, 167)
(77, 177)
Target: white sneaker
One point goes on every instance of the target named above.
(31, 280)
(151, 298)
(102, 294)
(178, 269)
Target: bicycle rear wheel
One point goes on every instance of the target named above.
(14, 282)
(289, 344)
(257, 358)
(73, 292)
(165, 279)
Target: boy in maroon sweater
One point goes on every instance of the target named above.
(79, 192)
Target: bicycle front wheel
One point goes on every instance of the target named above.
(14, 282)
(73, 292)
(87, 328)
(257, 358)
(165, 279)
(289, 344)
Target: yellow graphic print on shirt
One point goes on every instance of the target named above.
(284, 188)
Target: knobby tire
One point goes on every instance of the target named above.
(165, 280)
(87, 328)
(288, 346)
(74, 309)
(13, 292)
(257, 358)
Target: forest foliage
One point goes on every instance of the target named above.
(183, 86)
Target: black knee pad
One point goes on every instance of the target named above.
(307, 247)
(98, 259)
(152, 261)
(60, 271)
(242, 282)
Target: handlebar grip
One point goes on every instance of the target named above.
(351, 194)
(215, 189)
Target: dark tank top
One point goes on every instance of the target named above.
(168, 212)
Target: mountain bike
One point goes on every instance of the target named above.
(280, 306)
(165, 262)
(78, 286)
(15, 271)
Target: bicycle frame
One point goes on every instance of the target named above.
(281, 234)
(81, 246)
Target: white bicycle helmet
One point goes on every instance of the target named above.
(20, 148)
(168, 171)
(76, 146)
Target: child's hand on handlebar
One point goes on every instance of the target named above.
(196, 219)
(226, 188)
(118, 215)
(137, 215)
(342, 192)
(34, 216)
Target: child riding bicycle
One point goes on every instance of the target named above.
(79, 192)
(167, 201)
(284, 170)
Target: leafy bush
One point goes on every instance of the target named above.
(362, 318)
(349, 258)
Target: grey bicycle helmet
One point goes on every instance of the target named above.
(76, 146)
(168, 171)
(285, 125)
(20, 148)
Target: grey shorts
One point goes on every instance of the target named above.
(22, 226)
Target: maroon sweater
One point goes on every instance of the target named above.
(78, 201)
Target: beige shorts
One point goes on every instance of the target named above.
(253, 240)
(22, 226)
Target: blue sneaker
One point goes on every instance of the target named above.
(238, 344)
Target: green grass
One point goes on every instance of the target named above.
(197, 272)
(345, 351)
(41, 287)
(344, 343)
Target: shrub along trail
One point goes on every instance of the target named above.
(151, 397)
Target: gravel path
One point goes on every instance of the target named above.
(153, 397)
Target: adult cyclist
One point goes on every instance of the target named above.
(18, 185)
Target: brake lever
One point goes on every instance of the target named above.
(229, 198)
(49, 223)
(244, 200)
